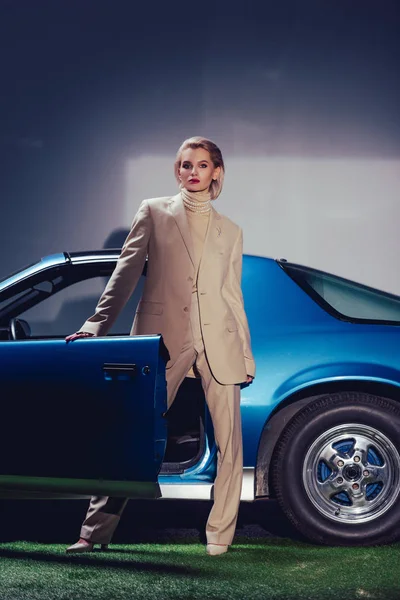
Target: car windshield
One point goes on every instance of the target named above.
(345, 299)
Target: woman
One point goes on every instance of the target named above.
(192, 296)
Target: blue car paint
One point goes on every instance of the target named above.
(97, 412)
(296, 345)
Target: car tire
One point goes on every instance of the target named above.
(336, 470)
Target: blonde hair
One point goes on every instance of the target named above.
(216, 157)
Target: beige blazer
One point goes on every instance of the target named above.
(161, 232)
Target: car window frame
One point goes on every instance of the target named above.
(289, 268)
(71, 273)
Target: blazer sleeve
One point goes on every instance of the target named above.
(125, 275)
(236, 297)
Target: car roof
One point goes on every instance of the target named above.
(45, 263)
(93, 255)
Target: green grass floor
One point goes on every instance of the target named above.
(263, 568)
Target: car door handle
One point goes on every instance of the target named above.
(119, 370)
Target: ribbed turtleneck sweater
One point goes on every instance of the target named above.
(198, 207)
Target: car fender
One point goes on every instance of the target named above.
(303, 388)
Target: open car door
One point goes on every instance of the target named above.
(82, 418)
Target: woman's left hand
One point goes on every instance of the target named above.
(249, 378)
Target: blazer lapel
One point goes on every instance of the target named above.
(214, 237)
(214, 230)
(178, 212)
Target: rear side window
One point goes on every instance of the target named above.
(345, 299)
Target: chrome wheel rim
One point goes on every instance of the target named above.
(351, 473)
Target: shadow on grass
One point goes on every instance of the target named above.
(152, 521)
(274, 568)
(106, 562)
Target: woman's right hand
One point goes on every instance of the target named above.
(76, 336)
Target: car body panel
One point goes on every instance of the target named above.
(297, 345)
(81, 413)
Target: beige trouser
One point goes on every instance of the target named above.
(224, 405)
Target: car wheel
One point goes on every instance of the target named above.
(336, 470)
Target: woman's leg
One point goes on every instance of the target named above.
(104, 512)
(223, 402)
(224, 405)
(102, 518)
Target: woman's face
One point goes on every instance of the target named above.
(197, 169)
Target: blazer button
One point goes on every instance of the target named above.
(186, 309)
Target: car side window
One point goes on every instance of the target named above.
(346, 299)
(65, 312)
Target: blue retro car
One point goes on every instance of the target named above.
(321, 421)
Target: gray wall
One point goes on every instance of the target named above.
(303, 99)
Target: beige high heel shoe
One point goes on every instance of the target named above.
(84, 546)
(216, 549)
